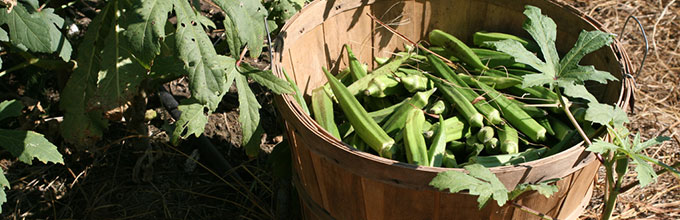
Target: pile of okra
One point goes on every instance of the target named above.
(415, 108)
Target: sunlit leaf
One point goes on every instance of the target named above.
(192, 121)
(249, 109)
(480, 182)
(584, 73)
(29, 145)
(588, 42)
(600, 146)
(605, 114)
(27, 29)
(146, 27)
(544, 31)
(267, 79)
(207, 80)
(246, 20)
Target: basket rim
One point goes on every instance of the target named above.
(287, 101)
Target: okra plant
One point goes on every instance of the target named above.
(129, 49)
(566, 78)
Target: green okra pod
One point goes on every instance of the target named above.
(436, 152)
(509, 139)
(322, 106)
(414, 142)
(515, 115)
(369, 131)
(396, 121)
(457, 48)
(449, 160)
(356, 69)
(492, 115)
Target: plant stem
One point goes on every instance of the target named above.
(575, 123)
(614, 191)
(572, 119)
(20, 66)
(531, 211)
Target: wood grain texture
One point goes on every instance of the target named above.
(350, 184)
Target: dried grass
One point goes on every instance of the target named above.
(657, 103)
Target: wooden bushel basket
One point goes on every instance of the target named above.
(336, 182)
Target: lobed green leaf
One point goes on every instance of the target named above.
(605, 114)
(27, 29)
(584, 73)
(145, 30)
(84, 126)
(544, 31)
(600, 146)
(480, 182)
(29, 145)
(192, 121)
(246, 20)
(587, 42)
(249, 109)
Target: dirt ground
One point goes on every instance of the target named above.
(123, 181)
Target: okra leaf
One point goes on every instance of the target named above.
(522, 55)
(4, 184)
(674, 171)
(454, 181)
(192, 120)
(588, 41)
(544, 31)
(267, 79)
(249, 109)
(544, 188)
(575, 90)
(645, 171)
(84, 126)
(10, 109)
(584, 73)
(58, 40)
(494, 186)
(29, 145)
(605, 114)
(118, 78)
(600, 146)
(167, 67)
(206, 22)
(27, 29)
(145, 30)
(480, 182)
(247, 22)
(536, 79)
(207, 73)
(637, 147)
